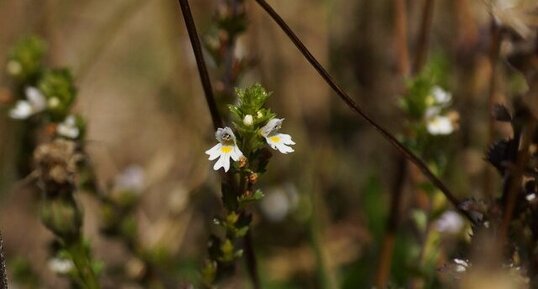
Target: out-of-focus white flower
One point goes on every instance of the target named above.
(60, 265)
(461, 265)
(277, 141)
(68, 128)
(531, 197)
(130, 179)
(248, 120)
(441, 96)
(450, 222)
(279, 202)
(35, 102)
(440, 125)
(225, 149)
(259, 114)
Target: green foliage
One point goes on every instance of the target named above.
(24, 61)
(58, 87)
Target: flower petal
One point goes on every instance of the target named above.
(36, 98)
(236, 153)
(214, 152)
(286, 139)
(22, 110)
(218, 163)
(225, 162)
(284, 148)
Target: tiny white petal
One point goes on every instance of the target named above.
(530, 197)
(441, 96)
(272, 126)
(214, 152)
(68, 128)
(440, 125)
(226, 162)
(60, 266)
(22, 110)
(450, 222)
(432, 112)
(236, 153)
(218, 164)
(36, 98)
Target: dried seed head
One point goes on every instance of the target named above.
(56, 164)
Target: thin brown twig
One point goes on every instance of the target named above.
(217, 122)
(200, 62)
(496, 39)
(3, 271)
(400, 37)
(353, 105)
(513, 183)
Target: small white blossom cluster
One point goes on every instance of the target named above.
(227, 147)
(34, 103)
(437, 122)
(60, 266)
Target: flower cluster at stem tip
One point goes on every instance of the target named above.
(42, 93)
(255, 126)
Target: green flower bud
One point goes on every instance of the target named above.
(62, 216)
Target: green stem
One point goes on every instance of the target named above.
(83, 264)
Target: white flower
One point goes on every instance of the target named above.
(35, 102)
(131, 179)
(68, 128)
(450, 222)
(60, 265)
(441, 96)
(440, 125)
(461, 265)
(225, 149)
(277, 141)
(248, 120)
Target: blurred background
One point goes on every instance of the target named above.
(321, 222)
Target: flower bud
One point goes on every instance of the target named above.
(248, 120)
(62, 216)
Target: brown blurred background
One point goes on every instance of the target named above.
(141, 95)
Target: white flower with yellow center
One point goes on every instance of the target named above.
(277, 141)
(225, 149)
(35, 102)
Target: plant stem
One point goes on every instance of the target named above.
(230, 185)
(391, 228)
(82, 263)
(3, 271)
(353, 105)
(252, 265)
(424, 36)
(200, 62)
(496, 39)
(400, 37)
